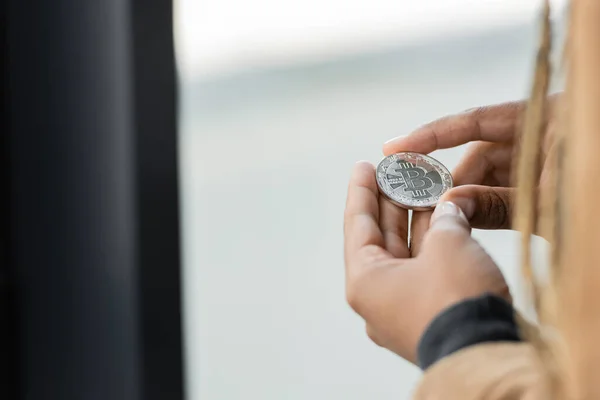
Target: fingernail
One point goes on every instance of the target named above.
(466, 205)
(396, 139)
(447, 208)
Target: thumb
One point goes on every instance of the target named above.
(485, 207)
(448, 229)
(449, 217)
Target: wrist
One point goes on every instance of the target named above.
(486, 318)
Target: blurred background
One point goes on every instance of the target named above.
(278, 99)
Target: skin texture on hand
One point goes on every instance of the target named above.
(483, 176)
(397, 291)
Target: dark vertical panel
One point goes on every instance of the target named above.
(94, 247)
(73, 199)
(8, 333)
(158, 233)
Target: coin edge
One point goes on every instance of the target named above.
(406, 206)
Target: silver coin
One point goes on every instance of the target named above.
(413, 181)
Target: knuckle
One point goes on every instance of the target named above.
(373, 336)
(496, 209)
(353, 296)
(476, 148)
(478, 111)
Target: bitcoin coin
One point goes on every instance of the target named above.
(413, 181)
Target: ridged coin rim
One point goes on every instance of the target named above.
(420, 205)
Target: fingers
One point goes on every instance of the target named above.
(495, 123)
(394, 226)
(448, 228)
(449, 217)
(418, 228)
(485, 207)
(362, 236)
(482, 161)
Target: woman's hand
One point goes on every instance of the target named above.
(400, 291)
(483, 176)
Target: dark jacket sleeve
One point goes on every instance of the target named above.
(483, 319)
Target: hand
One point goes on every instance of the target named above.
(399, 292)
(482, 178)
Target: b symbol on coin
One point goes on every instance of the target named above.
(416, 180)
(413, 181)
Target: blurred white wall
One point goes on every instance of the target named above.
(217, 36)
(278, 100)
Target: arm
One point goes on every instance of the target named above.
(473, 321)
(493, 371)
(473, 350)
